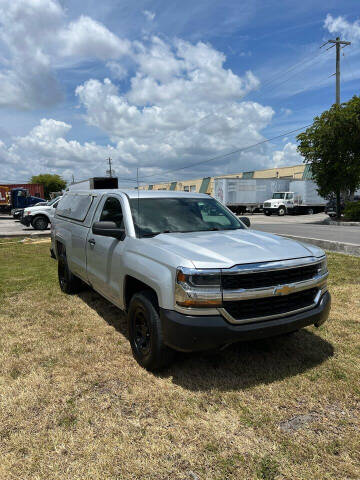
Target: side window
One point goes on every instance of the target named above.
(74, 206)
(112, 212)
(289, 196)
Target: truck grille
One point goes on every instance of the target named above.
(267, 204)
(268, 278)
(263, 307)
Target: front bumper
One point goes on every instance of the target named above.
(26, 220)
(195, 333)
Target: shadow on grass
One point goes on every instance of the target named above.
(109, 312)
(241, 365)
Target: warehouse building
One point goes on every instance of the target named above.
(206, 184)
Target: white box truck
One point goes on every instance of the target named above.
(301, 197)
(247, 195)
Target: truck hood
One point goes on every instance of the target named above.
(35, 209)
(228, 248)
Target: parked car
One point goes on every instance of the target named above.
(17, 213)
(40, 216)
(189, 274)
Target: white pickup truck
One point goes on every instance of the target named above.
(39, 216)
(189, 274)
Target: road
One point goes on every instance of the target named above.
(12, 228)
(306, 226)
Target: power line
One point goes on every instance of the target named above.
(238, 150)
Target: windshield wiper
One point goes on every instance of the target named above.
(153, 234)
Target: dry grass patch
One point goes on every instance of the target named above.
(75, 405)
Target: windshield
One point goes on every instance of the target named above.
(50, 202)
(168, 215)
(278, 195)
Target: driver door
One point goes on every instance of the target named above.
(105, 254)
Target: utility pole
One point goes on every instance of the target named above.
(110, 171)
(338, 44)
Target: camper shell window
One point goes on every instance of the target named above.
(74, 206)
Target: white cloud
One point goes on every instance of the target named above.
(183, 105)
(87, 38)
(46, 149)
(36, 36)
(340, 25)
(117, 70)
(149, 15)
(287, 156)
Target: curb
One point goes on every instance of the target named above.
(24, 235)
(339, 247)
(342, 224)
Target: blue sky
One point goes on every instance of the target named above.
(253, 69)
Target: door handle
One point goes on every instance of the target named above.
(92, 241)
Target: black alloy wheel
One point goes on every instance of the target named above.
(145, 332)
(142, 338)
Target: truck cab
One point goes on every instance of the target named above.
(187, 272)
(20, 199)
(279, 203)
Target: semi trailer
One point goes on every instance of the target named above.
(247, 195)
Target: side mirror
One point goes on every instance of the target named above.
(245, 220)
(108, 229)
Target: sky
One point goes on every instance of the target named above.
(167, 89)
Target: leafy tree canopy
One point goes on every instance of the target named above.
(51, 182)
(332, 148)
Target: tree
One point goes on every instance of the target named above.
(51, 182)
(331, 146)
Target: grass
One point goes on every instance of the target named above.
(75, 405)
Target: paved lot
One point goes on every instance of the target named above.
(11, 228)
(322, 232)
(306, 226)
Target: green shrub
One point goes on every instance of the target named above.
(352, 211)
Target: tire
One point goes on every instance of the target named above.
(145, 333)
(40, 222)
(68, 282)
(281, 211)
(267, 213)
(310, 211)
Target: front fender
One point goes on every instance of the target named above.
(158, 276)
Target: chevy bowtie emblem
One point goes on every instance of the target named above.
(283, 290)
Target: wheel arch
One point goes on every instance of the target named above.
(133, 285)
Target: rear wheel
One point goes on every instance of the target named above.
(145, 333)
(310, 211)
(40, 222)
(68, 282)
(281, 211)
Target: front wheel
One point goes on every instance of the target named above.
(145, 333)
(281, 211)
(267, 213)
(40, 223)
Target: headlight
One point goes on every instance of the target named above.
(322, 267)
(198, 288)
